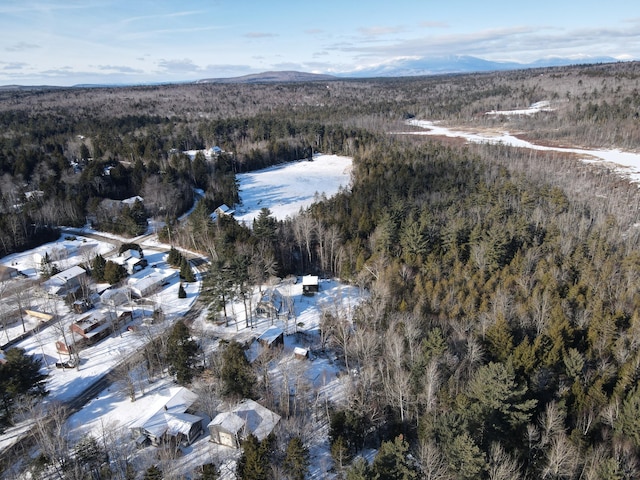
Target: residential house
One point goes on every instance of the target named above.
(114, 297)
(248, 417)
(132, 261)
(86, 331)
(67, 281)
(224, 210)
(170, 419)
(145, 283)
(271, 304)
(272, 337)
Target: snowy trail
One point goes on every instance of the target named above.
(627, 164)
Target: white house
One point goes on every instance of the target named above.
(131, 261)
(169, 418)
(144, 283)
(66, 281)
(114, 297)
(248, 417)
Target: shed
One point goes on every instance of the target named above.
(7, 273)
(248, 417)
(71, 343)
(310, 284)
(301, 353)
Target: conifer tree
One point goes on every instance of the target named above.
(392, 462)
(181, 352)
(20, 376)
(237, 375)
(153, 473)
(296, 461)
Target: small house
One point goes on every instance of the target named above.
(114, 297)
(272, 337)
(224, 210)
(169, 419)
(270, 304)
(310, 284)
(248, 417)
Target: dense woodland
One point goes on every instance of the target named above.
(501, 336)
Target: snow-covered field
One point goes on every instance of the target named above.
(285, 189)
(627, 164)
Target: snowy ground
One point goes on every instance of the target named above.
(627, 164)
(113, 408)
(285, 189)
(543, 106)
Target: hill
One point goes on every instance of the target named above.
(272, 77)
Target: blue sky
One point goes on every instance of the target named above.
(66, 42)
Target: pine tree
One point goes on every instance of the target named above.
(265, 226)
(392, 462)
(237, 375)
(210, 471)
(296, 462)
(153, 473)
(498, 403)
(359, 470)
(20, 376)
(182, 292)
(254, 461)
(113, 272)
(186, 272)
(181, 352)
(97, 268)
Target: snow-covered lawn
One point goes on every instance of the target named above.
(285, 189)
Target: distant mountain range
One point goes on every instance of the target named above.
(462, 64)
(413, 67)
(271, 77)
(409, 67)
